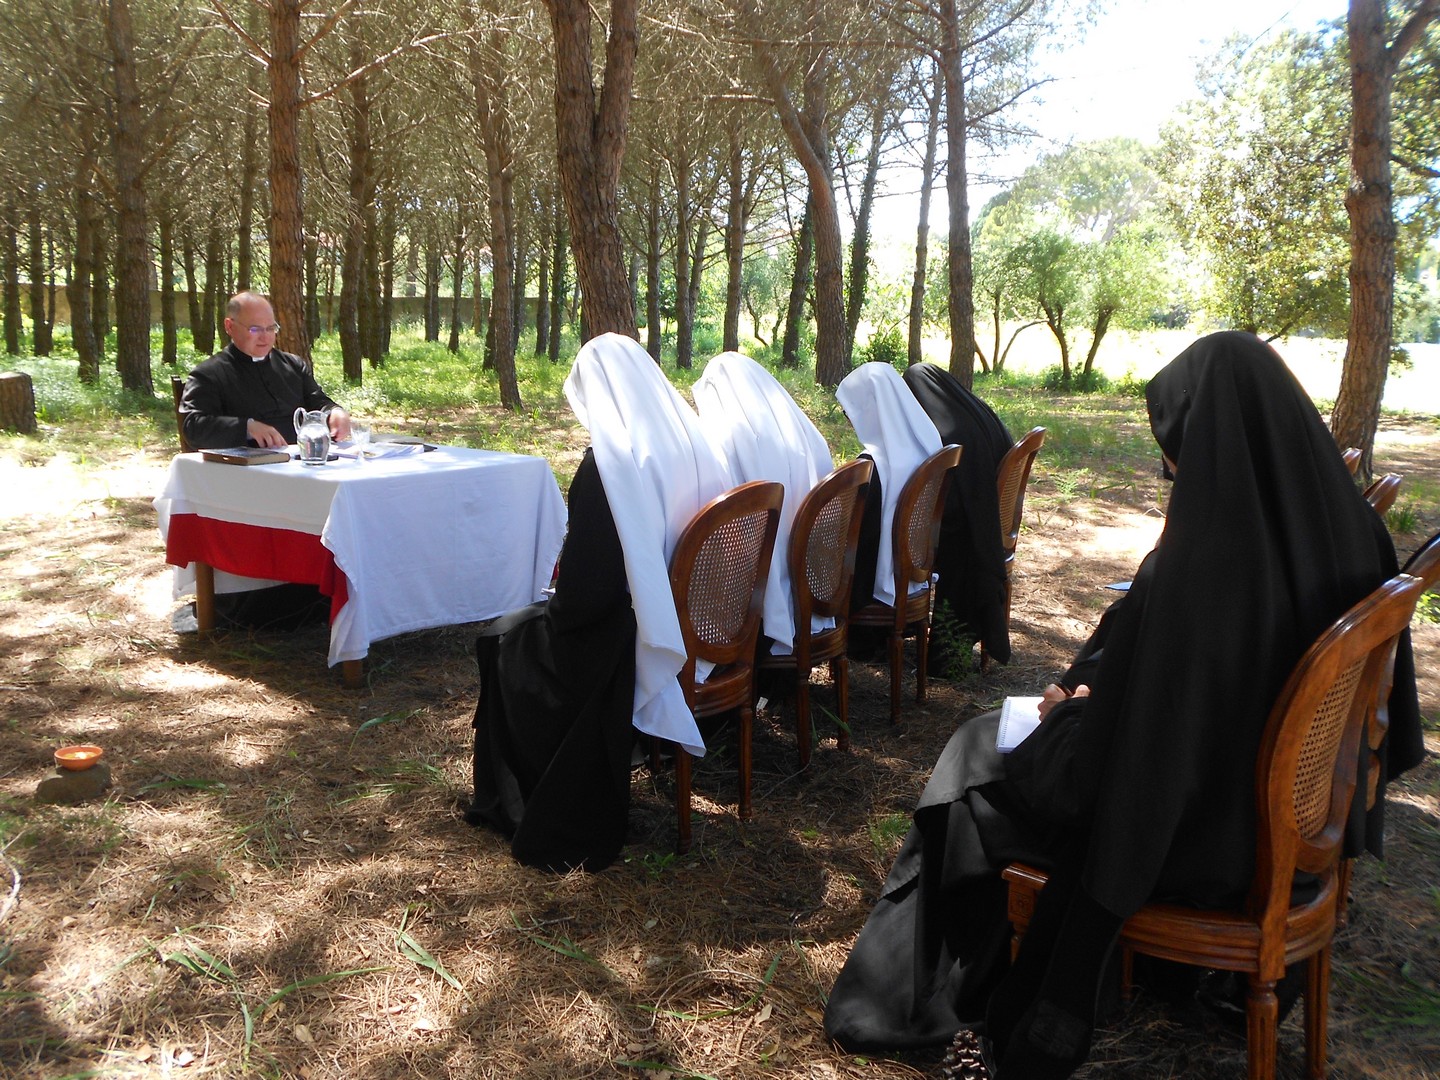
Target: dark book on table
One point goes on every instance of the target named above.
(246, 455)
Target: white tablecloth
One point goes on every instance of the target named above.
(425, 540)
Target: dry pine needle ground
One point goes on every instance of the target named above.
(279, 883)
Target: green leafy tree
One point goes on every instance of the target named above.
(1254, 171)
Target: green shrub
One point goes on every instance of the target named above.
(887, 348)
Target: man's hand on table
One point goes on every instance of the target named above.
(264, 435)
(339, 424)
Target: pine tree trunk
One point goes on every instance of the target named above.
(40, 343)
(961, 271)
(654, 325)
(559, 255)
(193, 302)
(800, 281)
(1369, 202)
(684, 313)
(132, 235)
(734, 244)
(521, 274)
(249, 177)
(169, 326)
(287, 219)
(360, 188)
(213, 306)
(10, 270)
(497, 137)
(590, 144)
(78, 289)
(542, 293)
(922, 227)
(432, 289)
(860, 240)
(312, 286)
(100, 284)
(459, 250)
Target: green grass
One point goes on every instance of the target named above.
(1097, 443)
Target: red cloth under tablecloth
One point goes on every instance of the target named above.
(257, 552)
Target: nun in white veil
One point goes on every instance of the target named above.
(566, 683)
(765, 436)
(898, 437)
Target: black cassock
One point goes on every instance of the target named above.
(970, 559)
(1145, 788)
(230, 388)
(553, 729)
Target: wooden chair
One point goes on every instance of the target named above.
(1352, 458)
(1304, 782)
(1425, 565)
(1011, 479)
(1382, 492)
(915, 533)
(717, 575)
(823, 538)
(177, 391)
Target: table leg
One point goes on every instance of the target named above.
(352, 671)
(204, 597)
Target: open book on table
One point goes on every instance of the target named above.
(1019, 716)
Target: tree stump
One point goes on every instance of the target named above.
(17, 402)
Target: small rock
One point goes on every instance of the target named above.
(69, 787)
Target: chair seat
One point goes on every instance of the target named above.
(916, 609)
(1228, 940)
(728, 687)
(824, 645)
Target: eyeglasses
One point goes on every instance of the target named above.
(273, 328)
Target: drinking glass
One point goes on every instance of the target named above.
(360, 437)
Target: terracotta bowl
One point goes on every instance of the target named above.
(78, 757)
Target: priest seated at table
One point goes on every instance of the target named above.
(247, 393)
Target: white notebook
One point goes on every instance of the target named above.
(1019, 716)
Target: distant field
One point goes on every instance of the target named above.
(1315, 361)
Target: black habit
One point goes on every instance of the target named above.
(231, 388)
(1145, 788)
(970, 559)
(553, 728)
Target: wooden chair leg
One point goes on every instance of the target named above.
(922, 658)
(352, 672)
(747, 728)
(1127, 973)
(897, 658)
(1317, 1011)
(1262, 1010)
(682, 799)
(802, 714)
(840, 676)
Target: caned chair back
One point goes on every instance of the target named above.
(823, 540)
(717, 573)
(915, 532)
(1011, 479)
(1425, 565)
(1382, 492)
(177, 391)
(1305, 776)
